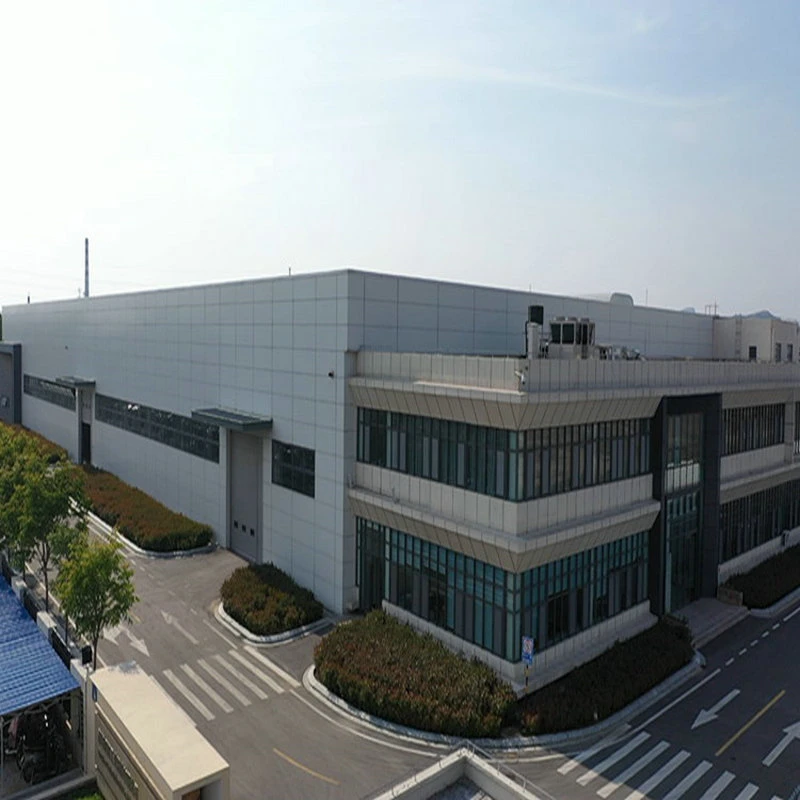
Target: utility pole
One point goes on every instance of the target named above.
(86, 269)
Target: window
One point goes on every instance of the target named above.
(752, 353)
(790, 352)
(513, 465)
(49, 392)
(777, 352)
(293, 467)
(174, 430)
(752, 428)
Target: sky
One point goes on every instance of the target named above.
(569, 147)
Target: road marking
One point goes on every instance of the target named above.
(579, 759)
(765, 634)
(754, 643)
(274, 685)
(750, 723)
(657, 778)
(295, 684)
(100, 660)
(789, 616)
(188, 694)
(243, 679)
(708, 716)
(678, 699)
(689, 780)
(589, 776)
(719, 786)
(776, 626)
(792, 732)
(170, 620)
(371, 737)
(742, 651)
(135, 618)
(304, 768)
(193, 611)
(637, 766)
(222, 636)
(729, 662)
(747, 792)
(224, 705)
(223, 681)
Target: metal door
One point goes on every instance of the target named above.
(244, 523)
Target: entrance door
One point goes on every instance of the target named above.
(86, 443)
(244, 523)
(683, 522)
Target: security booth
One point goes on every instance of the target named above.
(40, 702)
(143, 746)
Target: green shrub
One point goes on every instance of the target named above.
(385, 668)
(607, 684)
(53, 452)
(266, 601)
(769, 581)
(140, 518)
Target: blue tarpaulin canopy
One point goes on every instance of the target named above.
(30, 670)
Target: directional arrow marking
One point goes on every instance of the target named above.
(792, 732)
(112, 633)
(708, 716)
(136, 643)
(170, 620)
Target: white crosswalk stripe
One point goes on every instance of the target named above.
(241, 677)
(719, 786)
(188, 694)
(589, 776)
(223, 704)
(223, 681)
(747, 792)
(633, 769)
(660, 776)
(689, 780)
(274, 685)
(586, 754)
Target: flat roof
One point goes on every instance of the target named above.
(232, 419)
(164, 732)
(30, 670)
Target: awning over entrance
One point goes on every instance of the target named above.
(74, 382)
(30, 670)
(233, 420)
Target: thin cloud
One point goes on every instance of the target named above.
(456, 71)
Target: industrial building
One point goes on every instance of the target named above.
(485, 463)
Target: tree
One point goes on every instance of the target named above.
(95, 585)
(51, 509)
(18, 456)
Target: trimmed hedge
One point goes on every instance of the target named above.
(385, 668)
(266, 601)
(770, 581)
(608, 683)
(140, 518)
(52, 452)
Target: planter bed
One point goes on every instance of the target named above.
(139, 518)
(385, 668)
(266, 601)
(770, 581)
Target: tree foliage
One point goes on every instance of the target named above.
(96, 588)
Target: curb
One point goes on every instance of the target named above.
(776, 608)
(697, 663)
(109, 531)
(278, 638)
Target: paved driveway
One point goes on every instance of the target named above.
(280, 741)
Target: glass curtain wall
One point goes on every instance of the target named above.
(494, 608)
(752, 428)
(513, 465)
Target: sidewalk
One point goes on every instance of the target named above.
(709, 618)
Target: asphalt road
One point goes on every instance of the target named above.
(249, 702)
(731, 733)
